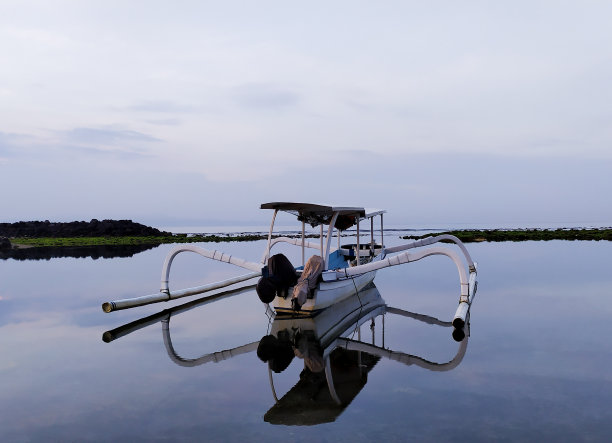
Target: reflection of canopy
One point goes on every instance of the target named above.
(321, 398)
(309, 402)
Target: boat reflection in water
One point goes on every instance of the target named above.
(336, 359)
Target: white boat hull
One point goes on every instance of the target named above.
(326, 294)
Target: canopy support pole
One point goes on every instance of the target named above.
(371, 235)
(330, 232)
(270, 237)
(357, 253)
(321, 237)
(382, 242)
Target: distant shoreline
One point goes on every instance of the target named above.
(43, 240)
(38, 242)
(115, 233)
(517, 235)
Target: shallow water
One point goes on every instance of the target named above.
(536, 364)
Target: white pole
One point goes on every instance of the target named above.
(214, 255)
(430, 241)
(405, 257)
(330, 231)
(357, 253)
(128, 328)
(321, 236)
(303, 230)
(167, 296)
(372, 235)
(382, 243)
(270, 236)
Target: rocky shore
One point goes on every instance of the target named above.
(93, 228)
(43, 240)
(517, 235)
(72, 230)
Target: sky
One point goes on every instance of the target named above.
(196, 112)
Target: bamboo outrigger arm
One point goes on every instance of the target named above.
(292, 241)
(166, 295)
(468, 285)
(213, 255)
(431, 240)
(135, 325)
(406, 257)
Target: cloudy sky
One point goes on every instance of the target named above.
(195, 112)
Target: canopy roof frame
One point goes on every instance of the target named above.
(316, 214)
(341, 217)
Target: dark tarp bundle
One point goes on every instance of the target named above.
(281, 276)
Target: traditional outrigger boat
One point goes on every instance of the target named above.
(341, 272)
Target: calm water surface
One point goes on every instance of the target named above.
(536, 366)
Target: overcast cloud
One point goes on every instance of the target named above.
(179, 112)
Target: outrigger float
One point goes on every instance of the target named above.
(325, 279)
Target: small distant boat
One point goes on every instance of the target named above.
(329, 277)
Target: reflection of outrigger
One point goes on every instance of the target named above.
(339, 273)
(336, 364)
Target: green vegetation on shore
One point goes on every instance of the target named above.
(497, 235)
(127, 240)
(466, 236)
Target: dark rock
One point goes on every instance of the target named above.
(5, 243)
(93, 228)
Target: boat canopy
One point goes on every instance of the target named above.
(315, 214)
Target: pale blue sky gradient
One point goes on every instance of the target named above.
(195, 112)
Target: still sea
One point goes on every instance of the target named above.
(536, 366)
